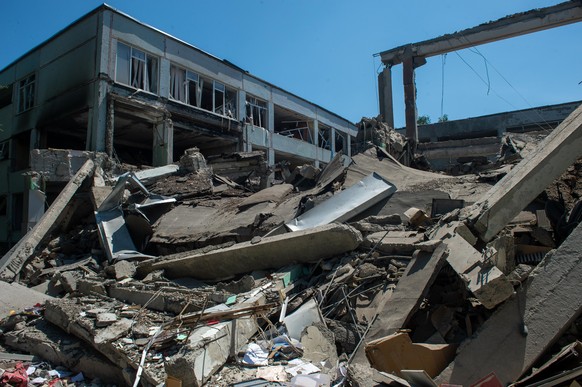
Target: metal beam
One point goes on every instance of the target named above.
(506, 27)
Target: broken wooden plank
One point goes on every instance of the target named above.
(546, 307)
(12, 262)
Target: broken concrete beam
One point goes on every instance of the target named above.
(272, 252)
(397, 352)
(489, 285)
(395, 311)
(560, 149)
(16, 297)
(394, 242)
(59, 348)
(524, 327)
(12, 262)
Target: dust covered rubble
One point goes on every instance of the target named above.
(324, 320)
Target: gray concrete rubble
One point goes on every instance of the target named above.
(217, 291)
(532, 320)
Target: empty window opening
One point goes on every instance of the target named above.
(20, 152)
(324, 137)
(136, 68)
(3, 205)
(340, 141)
(293, 125)
(17, 215)
(207, 94)
(256, 111)
(4, 150)
(26, 93)
(5, 95)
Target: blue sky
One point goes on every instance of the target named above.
(322, 50)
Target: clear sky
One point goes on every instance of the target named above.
(322, 50)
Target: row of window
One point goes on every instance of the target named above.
(138, 69)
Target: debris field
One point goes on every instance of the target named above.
(227, 272)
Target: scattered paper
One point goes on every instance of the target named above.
(256, 355)
(304, 368)
(272, 374)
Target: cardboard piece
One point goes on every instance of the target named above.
(397, 352)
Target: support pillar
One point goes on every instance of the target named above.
(410, 99)
(332, 147)
(316, 143)
(110, 127)
(97, 118)
(163, 147)
(385, 96)
(349, 145)
(271, 129)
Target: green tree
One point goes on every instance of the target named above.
(444, 118)
(423, 120)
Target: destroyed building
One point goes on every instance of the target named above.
(144, 97)
(217, 270)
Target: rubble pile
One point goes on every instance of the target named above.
(377, 132)
(365, 273)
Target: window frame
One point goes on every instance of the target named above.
(137, 54)
(253, 102)
(26, 93)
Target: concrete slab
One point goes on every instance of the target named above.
(59, 348)
(270, 253)
(489, 285)
(547, 305)
(17, 297)
(273, 194)
(560, 149)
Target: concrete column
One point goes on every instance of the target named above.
(316, 143)
(164, 78)
(163, 147)
(271, 129)
(349, 145)
(385, 96)
(332, 142)
(110, 127)
(242, 105)
(410, 98)
(98, 118)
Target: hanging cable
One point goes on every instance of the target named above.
(475, 50)
(443, 61)
(484, 81)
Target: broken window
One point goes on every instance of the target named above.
(17, 211)
(20, 151)
(136, 68)
(26, 93)
(206, 94)
(224, 100)
(3, 204)
(256, 111)
(5, 95)
(324, 137)
(4, 150)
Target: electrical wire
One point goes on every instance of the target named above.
(443, 62)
